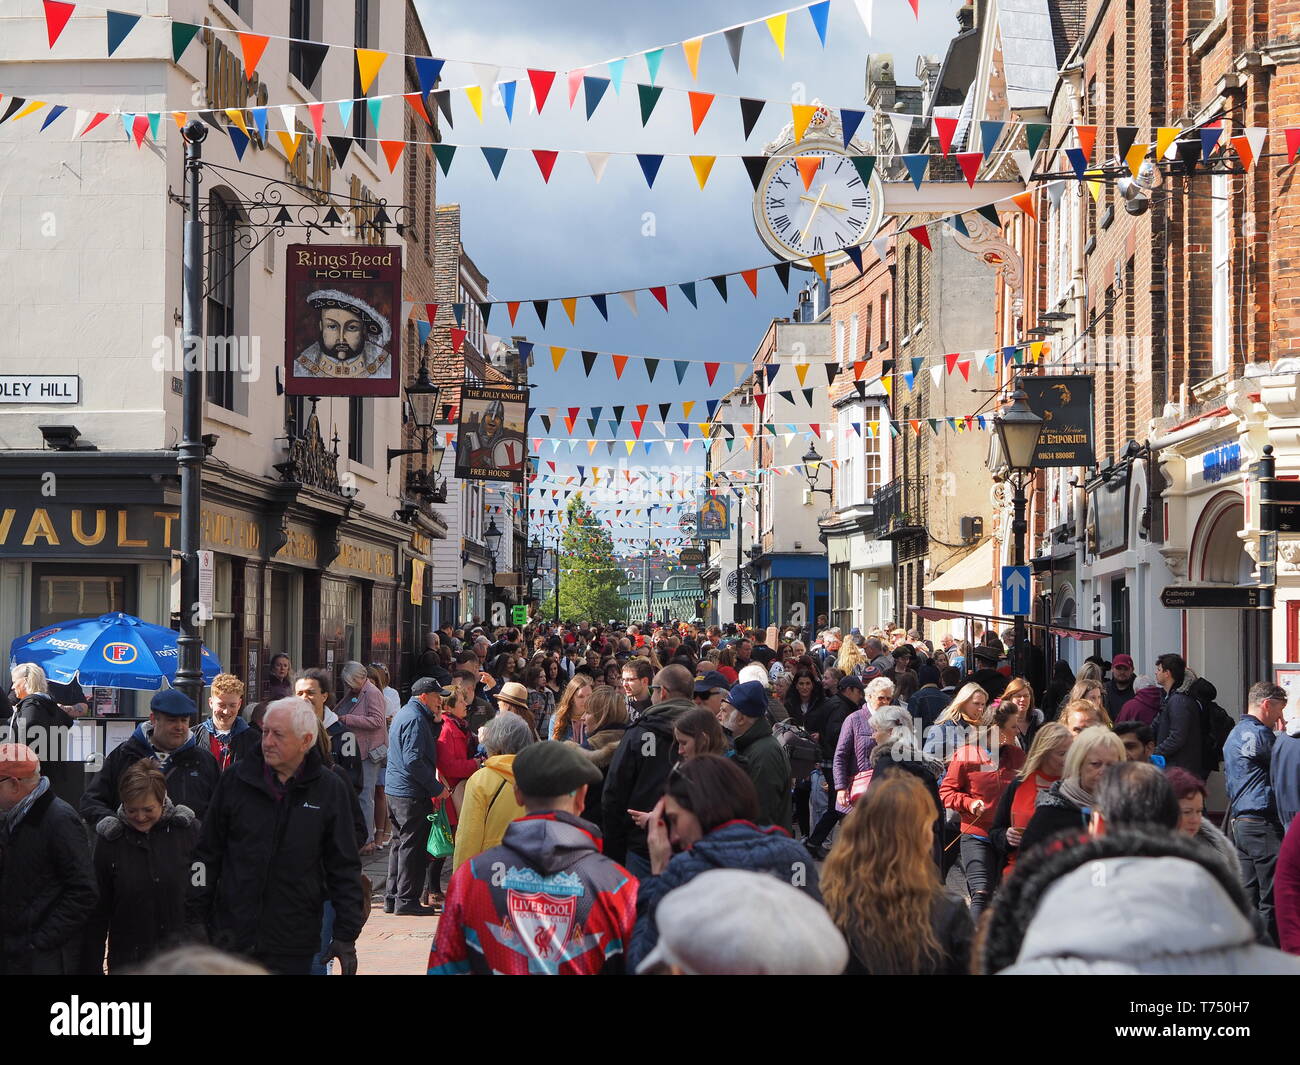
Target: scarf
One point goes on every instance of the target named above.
(25, 804)
(1072, 793)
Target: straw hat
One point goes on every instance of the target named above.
(515, 694)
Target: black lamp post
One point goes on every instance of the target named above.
(812, 468)
(532, 563)
(493, 537)
(422, 406)
(1018, 429)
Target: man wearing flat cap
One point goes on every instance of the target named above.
(352, 342)
(47, 882)
(546, 900)
(191, 770)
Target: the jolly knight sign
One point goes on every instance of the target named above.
(490, 445)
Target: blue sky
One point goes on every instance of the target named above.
(575, 236)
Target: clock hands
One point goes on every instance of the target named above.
(832, 206)
(813, 213)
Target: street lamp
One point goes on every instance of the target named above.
(493, 537)
(1018, 429)
(422, 405)
(812, 468)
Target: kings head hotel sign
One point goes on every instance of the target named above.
(1065, 405)
(342, 337)
(490, 443)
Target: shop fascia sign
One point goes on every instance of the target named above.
(1221, 462)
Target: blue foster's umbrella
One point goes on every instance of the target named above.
(110, 651)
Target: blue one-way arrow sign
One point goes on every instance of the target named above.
(1015, 590)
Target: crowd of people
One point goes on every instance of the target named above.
(672, 798)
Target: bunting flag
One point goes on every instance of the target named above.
(750, 109)
(650, 167)
(182, 34)
(802, 116)
(850, 121)
(474, 93)
(593, 91)
(545, 163)
(733, 39)
(118, 24)
(368, 63)
(808, 166)
(702, 165)
(700, 104)
(56, 18)
(970, 165)
(916, 166)
(776, 27)
(945, 128)
(921, 234)
(252, 45)
(691, 50)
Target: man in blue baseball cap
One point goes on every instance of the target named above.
(759, 752)
(189, 767)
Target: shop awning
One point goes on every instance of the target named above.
(973, 571)
(935, 613)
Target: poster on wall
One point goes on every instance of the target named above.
(341, 332)
(490, 443)
(713, 518)
(1286, 675)
(1064, 403)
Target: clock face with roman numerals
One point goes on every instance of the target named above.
(812, 200)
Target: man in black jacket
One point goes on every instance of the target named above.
(826, 729)
(278, 843)
(189, 767)
(1178, 725)
(47, 882)
(986, 674)
(640, 768)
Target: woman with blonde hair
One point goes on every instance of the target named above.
(882, 890)
(569, 720)
(1069, 802)
(853, 658)
(950, 732)
(1021, 692)
(1043, 767)
(1092, 691)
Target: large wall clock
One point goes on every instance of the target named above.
(834, 210)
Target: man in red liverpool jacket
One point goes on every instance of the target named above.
(546, 900)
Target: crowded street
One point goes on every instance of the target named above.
(813, 492)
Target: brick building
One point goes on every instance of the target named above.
(861, 316)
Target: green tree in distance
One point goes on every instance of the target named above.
(590, 577)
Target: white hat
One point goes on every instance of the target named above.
(734, 922)
(377, 326)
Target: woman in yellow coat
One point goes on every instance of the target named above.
(490, 793)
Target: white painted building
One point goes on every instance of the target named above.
(91, 248)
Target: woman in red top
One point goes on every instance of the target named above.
(976, 778)
(1043, 767)
(456, 764)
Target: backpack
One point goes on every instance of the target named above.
(804, 752)
(1216, 723)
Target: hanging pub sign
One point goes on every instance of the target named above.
(490, 443)
(1065, 405)
(341, 305)
(713, 518)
